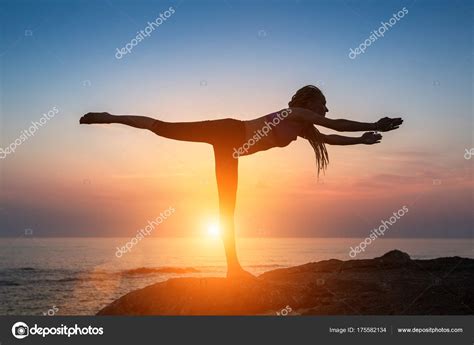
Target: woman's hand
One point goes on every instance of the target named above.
(90, 118)
(370, 138)
(387, 124)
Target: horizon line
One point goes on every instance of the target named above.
(241, 237)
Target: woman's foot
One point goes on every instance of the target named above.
(90, 118)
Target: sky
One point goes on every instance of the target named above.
(239, 59)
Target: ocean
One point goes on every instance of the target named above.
(79, 276)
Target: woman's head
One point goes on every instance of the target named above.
(310, 97)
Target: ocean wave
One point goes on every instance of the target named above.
(148, 270)
(67, 280)
(32, 276)
(41, 281)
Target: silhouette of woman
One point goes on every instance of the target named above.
(233, 138)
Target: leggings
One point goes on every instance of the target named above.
(219, 133)
(224, 135)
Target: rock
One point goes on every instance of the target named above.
(391, 284)
(395, 257)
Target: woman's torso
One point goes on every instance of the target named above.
(272, 130)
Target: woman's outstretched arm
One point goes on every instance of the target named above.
(342, 125)
(367, 138)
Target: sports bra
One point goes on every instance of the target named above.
(272, 130)
(286, 130)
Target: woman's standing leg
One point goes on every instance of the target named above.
(227, 180)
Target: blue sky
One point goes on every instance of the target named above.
(239, 59)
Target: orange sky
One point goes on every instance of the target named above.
(71, 180)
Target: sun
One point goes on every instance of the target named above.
(213, 230)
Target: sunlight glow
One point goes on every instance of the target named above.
(213, 230)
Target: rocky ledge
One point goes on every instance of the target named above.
(392, 284)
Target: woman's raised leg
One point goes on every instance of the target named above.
(199, 131)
